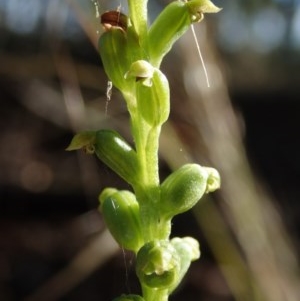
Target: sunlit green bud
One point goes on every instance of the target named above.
(158, 264)
(121, 214)
(129, 298)
(113, 50)
(154, 102)
(84, 140)
(213, 181)
(188, 250)
(116, 153)
(152, 92)
(172, 23)
(183, 189)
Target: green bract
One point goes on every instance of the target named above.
(121, 213)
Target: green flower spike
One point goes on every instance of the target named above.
(131, 53)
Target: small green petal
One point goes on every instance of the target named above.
(140, 69)
(85, 140)
(199, 7)
(213, 180)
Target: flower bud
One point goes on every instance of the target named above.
(158, 264)
(153, 94)
(115, 57)
(167, 28)
(172, 23)
(141, 71)
(183, 189)
(117, 154)
(121, 214)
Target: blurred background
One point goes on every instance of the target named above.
(53, 242)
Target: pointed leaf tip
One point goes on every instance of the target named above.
(84, 140)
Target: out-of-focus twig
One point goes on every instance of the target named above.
(90, 258)
(207, 123)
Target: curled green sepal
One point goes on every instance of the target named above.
(84, 140)
(130, 297)
(120, 210)
(183, 189)
(172, 23)
(188, 250)
(117, 154)
(152, 92)
(158, 264)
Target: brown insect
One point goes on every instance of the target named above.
(114, 18)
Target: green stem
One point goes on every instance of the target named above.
(146, 143)
(147, 191)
